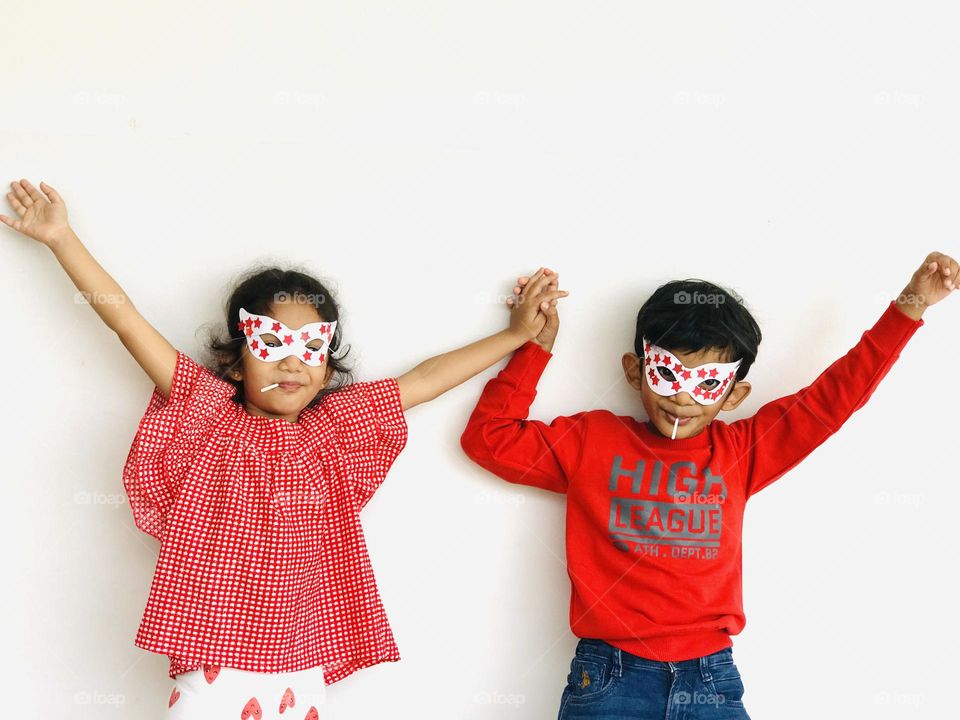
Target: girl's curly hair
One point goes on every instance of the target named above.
(256, 290)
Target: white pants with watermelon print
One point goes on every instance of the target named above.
(223, 693)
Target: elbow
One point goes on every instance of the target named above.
(468, 442)
(474, 444)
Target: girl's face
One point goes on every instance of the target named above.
(255, 373)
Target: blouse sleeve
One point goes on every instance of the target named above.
(170, 434)
(369, 422)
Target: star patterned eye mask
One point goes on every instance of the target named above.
(666, 375)
(308, 343)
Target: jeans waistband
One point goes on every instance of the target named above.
(618, 658)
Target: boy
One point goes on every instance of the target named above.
(654, 509)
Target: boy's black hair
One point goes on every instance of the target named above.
(256, 290)
(693, 315)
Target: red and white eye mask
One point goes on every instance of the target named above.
(666, 375)
(270, 340)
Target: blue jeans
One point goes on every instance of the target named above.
(606, 683)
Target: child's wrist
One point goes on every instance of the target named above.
(61, 238)
(911, 304)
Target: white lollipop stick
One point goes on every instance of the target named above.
(269, 387)
(675, 424)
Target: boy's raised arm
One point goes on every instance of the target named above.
(501, 439)
(786, 430)
(498, 435)
(43, 217)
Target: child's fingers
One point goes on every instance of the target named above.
(553, 295)
(537, 282)
(34, 194)
(51, 193)
(949, 269)
(16, 204)
(21, 194)
(942, 266)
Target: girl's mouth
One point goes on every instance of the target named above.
(290, 386)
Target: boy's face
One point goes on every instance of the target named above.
(255, 373)
(663, 410)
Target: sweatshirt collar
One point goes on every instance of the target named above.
(652, 438)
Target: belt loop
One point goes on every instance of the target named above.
(617, 663)
(705, 669)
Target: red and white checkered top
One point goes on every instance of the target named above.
(263, 564)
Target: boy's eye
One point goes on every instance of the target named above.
(711, 387)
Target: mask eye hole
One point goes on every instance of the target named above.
(666, 373)
(270, 340)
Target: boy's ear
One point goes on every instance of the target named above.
(737, 395)
(632, 369)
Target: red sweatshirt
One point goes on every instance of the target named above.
(653, 524)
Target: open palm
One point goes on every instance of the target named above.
(42, 217)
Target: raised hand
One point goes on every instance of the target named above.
(548, 335)
(40, 215)
(932, 282)
(529, 309)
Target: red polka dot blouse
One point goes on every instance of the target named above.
(262, 563)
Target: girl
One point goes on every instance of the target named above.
(252, 477)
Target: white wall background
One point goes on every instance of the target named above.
(421, 156)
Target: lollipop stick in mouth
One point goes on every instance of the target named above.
(269, 387)
(676, 423)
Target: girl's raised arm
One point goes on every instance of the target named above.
(534, 309)
(43, 217)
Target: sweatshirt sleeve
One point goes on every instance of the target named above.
(785, 431)
(500, 438)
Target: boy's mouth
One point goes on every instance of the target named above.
(673, 418)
